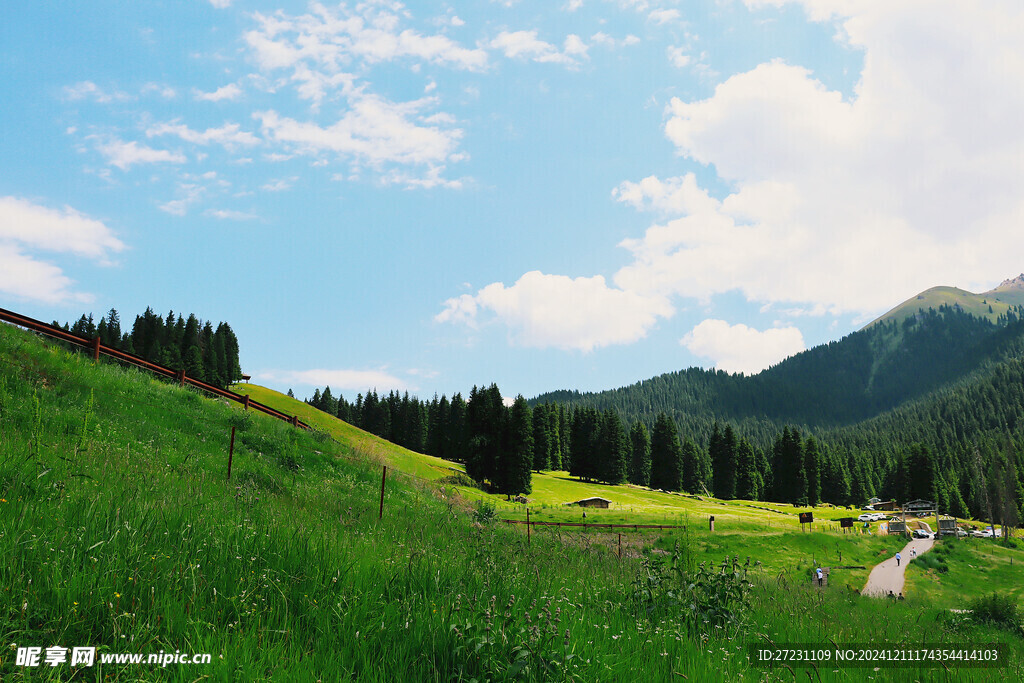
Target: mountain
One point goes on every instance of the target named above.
(841, 383)
(990, 304)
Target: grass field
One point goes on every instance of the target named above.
(120, 531)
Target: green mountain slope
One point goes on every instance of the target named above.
(990, 305)
(841, 383)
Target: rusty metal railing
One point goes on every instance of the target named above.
(99, 349)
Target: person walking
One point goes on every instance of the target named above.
(820, 576)
(898, 558)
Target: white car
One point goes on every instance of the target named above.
(879, 517)
(866, 517)
(921, 533)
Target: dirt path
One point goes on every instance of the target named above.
(886, 576)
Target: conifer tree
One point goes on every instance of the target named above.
(518, 458)
(611, 449)
(640, 455)
(748, 479)
(812, 465)
(666, 455)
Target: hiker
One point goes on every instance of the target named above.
(892, 596)
(821, 576)
(898, 558)
(900, 597)
(913, 553)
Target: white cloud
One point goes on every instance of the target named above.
(55, 230)
(229, 135)
(317, 47)
(229, 215)
(27, 227)
(738, 348)
(231, 91)
(664, 16)
(557, 311)
(526, 45)
(338, 380)
(850, 202)
(677, 57)
(124, 155)
(373, 131)
(89, 90)
(221, 4)
(165, 91)
(188, 194)
(279, 184)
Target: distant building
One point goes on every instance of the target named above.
(594, 502)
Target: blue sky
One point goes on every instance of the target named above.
(570, 194)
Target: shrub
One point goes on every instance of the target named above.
(485, 512)
(998, 609)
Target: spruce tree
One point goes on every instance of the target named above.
(666, 455)
(640, 455)
(611, 449)
(812, 465)
(748, 479)
(518, 459)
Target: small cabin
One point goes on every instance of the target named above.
(594, 502)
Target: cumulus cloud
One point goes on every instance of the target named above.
(315, 47)
(230, 135)
(27, 228)
(738, 348)
(230, 91)
(850, 201)
(372, 131)
(561, 312)
(230, 215)
(351, 380)
(526, 45)
(124, 155)
(89, 90)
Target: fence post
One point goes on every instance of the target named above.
(295, 423)
(96, 349)
(181, 377)
(245, 402)
(231, 452)
(527, 526)
(383, 478)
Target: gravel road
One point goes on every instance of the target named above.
(886, 576)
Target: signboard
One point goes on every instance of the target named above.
(846, 522)
(806, 517)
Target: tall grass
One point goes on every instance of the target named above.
(118, 529)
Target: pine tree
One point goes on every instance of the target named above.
(518, 459)
(748, 479)
(611, 449)
(541, 439)
(666, 455)
(723, 463)
(812, 465)
(640, 452)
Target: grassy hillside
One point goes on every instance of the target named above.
(989, 305)
(119, 531)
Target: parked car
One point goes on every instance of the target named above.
(866, 517)
(921, 533)
(987, 533)
(879, 517)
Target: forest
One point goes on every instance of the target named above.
(931, 407)
(178, 342)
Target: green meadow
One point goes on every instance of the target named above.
(120, 530)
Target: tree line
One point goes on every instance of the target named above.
(183, 343)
